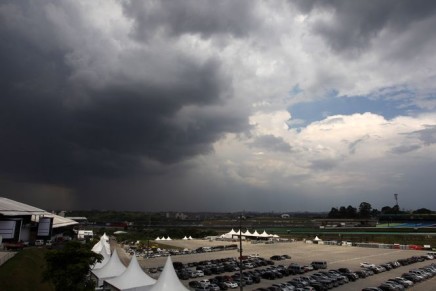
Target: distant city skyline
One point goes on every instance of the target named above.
(218, 105)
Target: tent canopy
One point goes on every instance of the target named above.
(247, 233)
(111, 269)
(132, 277)
(106, 258)
(168, 279)
(102, 244)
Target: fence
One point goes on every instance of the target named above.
(373, 245)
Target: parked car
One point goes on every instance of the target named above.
(204, 282)
(296, 269)
(319, 265)
(231, 285)
(367, 265)
(194, 284)
(276, 258)
(199, 273)
(405, 281)
(214, 287)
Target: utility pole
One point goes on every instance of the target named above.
(240, 252)
(148, 236)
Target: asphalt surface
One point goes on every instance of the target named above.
(303, 254)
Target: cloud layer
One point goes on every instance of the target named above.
(186, 106)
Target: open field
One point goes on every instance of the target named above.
(302, 253)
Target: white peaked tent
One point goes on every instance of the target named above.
(185, 238)
(247, 233)
(132, 277)
(232, 232)
(226, 235)
(106, 259)
(105, 237)
(190, 237)
(168, 280)
(168, 238)
(158, 238)
(112, 269)
(102, 243)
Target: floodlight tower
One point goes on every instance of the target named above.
(396, 199)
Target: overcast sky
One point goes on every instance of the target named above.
(218, 105)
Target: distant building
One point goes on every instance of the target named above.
(285, 215)
(85, 234)
(337, 222)
(181, 216)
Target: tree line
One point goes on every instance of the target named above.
(365, 210)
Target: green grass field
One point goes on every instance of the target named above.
(24, 272)
(384, 225)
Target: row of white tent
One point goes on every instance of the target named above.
(247, 234)
(113, 275)
(168, 238)
(163, 238)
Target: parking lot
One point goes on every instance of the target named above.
(303, 254)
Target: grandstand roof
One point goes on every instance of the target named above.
(58, 221)
(10, 207)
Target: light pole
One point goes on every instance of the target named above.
(240, 252)
(148, 236)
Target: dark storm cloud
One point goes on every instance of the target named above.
(58, 128)
(426, 135)
(356, 23)
(205, 18)
(323, 164)
(271, 143)
(403, 149)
